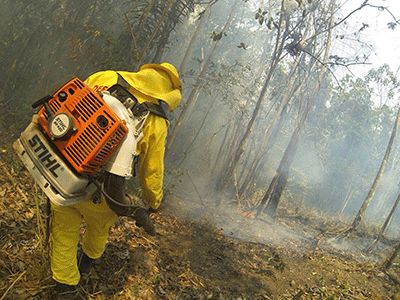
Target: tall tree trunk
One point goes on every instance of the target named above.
(218, 157)
(284, 165)
(194, 38)
(361, 213)
(266, 140)
(144, 16)
(16, 61)
(274, 62)
(153, 34)
(240, 123)
(191, 100)
(389, 261)
(270, 135)
(389, 217)
(288, 156)
(279, 188)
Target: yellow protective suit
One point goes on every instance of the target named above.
(151, 83)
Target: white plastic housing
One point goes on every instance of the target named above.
(120, 162)
(63, 186)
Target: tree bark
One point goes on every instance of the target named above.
(194, 38)
(388, 219)
(389, 261)
(288, 156)
(153, 34)
(275, 59)
(192, 100)
(284, 165)
(361, 213)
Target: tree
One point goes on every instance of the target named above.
(278, 183)
(390, 259)
(385, 224)
(364, 206)
(282, 33)
(203, 17)
(192, 97)
(55, 40)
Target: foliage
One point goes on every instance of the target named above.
(352, 138)
(46, 43)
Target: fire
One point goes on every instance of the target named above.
(245, 213)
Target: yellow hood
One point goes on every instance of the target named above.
(157, 81)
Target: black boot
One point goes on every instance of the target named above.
(85, 263)
(64, 291)
(142, 218)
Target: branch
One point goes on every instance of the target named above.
(9, 288)
(195, 187)
(385, 8)
(132, 35)
(340, 22)
(325, 65)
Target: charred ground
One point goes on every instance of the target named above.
(200, 259)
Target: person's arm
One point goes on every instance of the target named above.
(151, 160)
(114, 187)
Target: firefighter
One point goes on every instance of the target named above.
(152, 83)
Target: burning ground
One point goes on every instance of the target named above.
(219, 255)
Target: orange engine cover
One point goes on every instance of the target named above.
(97, 130)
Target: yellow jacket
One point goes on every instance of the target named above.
(151, 83)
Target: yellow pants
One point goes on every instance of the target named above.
(65, 232)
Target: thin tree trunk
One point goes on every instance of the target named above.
(361, 213)
(194, 39)
(18, 57)
(284, 165)
(240, 124)
(153, 34)
(389, 261)
(260, 155)
(145, 14)
(191, 100)
(388, 219)
(269, 134)
(222, 147)
(275, 59)
(166, 34)
(287, 158)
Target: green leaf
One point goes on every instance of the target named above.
(392, 25)
(269, 24)
(156, 279)
(243, 46)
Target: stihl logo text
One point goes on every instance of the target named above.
(44, 155)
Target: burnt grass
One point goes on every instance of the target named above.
(188, 259)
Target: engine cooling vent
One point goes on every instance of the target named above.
(97, 130)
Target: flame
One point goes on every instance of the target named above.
(245, 213)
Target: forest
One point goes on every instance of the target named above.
(277, 146)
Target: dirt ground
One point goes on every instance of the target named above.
(213, 256)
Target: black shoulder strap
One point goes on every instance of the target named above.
(153, 108)
(122, 82)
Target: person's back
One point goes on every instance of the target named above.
(152, 83)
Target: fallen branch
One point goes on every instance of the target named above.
(11, 178)
(9, 288)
